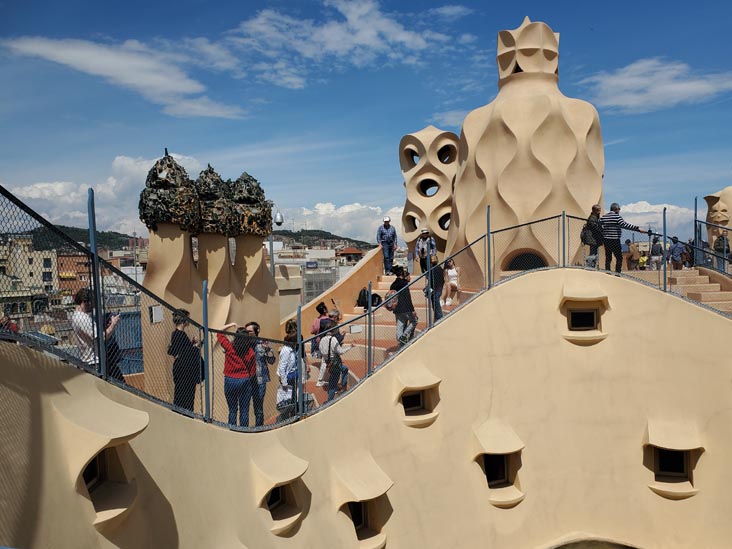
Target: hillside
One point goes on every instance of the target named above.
(312, 237)
(44, 239)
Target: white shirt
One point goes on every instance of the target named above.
(82, 323)
(286, 365)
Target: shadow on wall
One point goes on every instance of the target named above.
(22, 434)
(152, 522)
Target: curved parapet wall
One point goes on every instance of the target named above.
(231, 220)
(428, 160)
(529, 153)
(539, 402)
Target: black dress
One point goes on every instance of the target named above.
(186, 369)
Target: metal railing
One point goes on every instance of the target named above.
(90, 314)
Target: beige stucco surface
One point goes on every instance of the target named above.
(504, 373)
(428, 160)
(528, 154)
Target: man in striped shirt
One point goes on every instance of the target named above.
(612, 226)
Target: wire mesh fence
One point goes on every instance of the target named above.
(45, 285)
(56, 295)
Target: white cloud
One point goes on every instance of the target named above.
(653, 84)
(452, 119)
(451, 12)
(355, 220)
(116, 198)
(356, 33)
(679, 220)
(116, 201)
(133, 66)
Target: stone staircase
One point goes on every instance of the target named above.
(384, 343)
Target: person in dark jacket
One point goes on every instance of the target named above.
(721, 247)
(406, 317)
(187, 363)
(593, 236)
(436, 283)
(112, 351)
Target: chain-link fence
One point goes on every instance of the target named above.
(46, 290)
(56, 296)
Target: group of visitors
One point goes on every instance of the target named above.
(605, 230)
(328, 347)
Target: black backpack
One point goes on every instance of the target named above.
(363, 298)
(375, 300)
(585, 235)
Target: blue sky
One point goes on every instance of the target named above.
(312, 97)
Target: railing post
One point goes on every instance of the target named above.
(369, 340)
(299, 364)
(698, 254)
(97, 285)
(665, 251)
(564, 238)
(489, 277)
(206, 355)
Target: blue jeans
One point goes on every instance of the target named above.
(238, 392)
(436, 307)
(406, 323)
(388, 251)
(334, 377)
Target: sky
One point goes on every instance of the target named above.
(312, 97)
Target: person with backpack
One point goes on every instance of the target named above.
(322, 310)
(591, 236)
(331, 349)
(334, 317)
(403, 309)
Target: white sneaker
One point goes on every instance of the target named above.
(320, 383)
(448, 302)
(442, 303)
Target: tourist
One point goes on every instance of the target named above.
(84, 328)
(424, 248)
(7, 325)
(406, 317)
(240, 369)
(287, 374)
(721, 249)
(315, 329)
(633, 255)
(675, 253)
(436, 284)
(187, 363)
(8, 328)
(331, 349)
(452, 283)
(643, 261)
(334, 316)
(591, 235)
(386, 238)
(656, 254)
(264, 358)
(612, 225)
(112, 352)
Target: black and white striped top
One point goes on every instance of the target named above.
(613, 224)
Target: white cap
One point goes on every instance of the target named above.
(387, 218)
